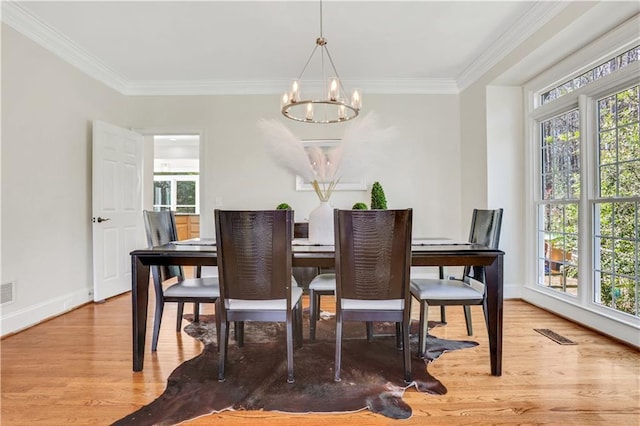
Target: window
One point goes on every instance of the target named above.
(560, 175)
(176, 192)
(587, 202)
(593, 74)
(616, 210)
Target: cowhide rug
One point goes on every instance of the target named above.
(372, 374)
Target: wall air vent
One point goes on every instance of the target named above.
(7, 293)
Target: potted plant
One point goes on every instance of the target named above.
(360, 206)
(283, 206)
(378, 200)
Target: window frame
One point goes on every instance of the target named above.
(174, 179)
(583, 307)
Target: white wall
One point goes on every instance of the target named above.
(47, 109)
(417, 169)
(505, 177)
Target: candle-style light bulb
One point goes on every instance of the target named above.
(295, 91)
(341, 112)
(284, 100)
(334, 89)
(356, 100)
(309, 112)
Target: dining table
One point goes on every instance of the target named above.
(433, 252)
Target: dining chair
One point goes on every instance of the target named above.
(467, 290)
(256, 284)
(373, 260)
(320, 285)
(160, 227)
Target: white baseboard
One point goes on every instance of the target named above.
(601, 322)
(34, 314)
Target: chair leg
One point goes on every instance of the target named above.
(239, 327)
(217, 317)
(424, 328)
(443, 315)
(223, 350)
(180, 313)
(290, 378)
(298, 324)
(317, 300)
(467, 318)
(313, 315)
(156, 325)
(196, 312)
(406, 351)
(338, 348)
(399, 336)
(369, 331)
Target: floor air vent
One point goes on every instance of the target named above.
(555, 336)
(7, 293)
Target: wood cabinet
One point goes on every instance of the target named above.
(188, 226)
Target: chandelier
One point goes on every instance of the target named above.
(330, 106)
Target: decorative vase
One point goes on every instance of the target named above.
(321, 224)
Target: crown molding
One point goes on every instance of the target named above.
(433, 86)
(521, 29)
(277, 87)
(14, 15)
(202, 87)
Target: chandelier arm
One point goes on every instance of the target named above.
(322, 70)
(308, 61)
(331, 61)
(335, 71)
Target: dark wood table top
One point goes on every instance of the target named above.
(424, 252)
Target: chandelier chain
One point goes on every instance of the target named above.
(321, 36)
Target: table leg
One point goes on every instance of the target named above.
(493, 312)
(139, 302)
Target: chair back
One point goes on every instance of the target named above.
(485, 227)
(161, 229)
(254, 254)
(373, 254)
(485, 230)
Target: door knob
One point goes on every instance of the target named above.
(102, 219)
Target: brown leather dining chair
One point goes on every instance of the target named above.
(254, 268)
(373, 261)
(160, 227)
(467, 290)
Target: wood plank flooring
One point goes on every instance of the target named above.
(76, 369)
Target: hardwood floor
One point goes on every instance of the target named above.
(76, 369)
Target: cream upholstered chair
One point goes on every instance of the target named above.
(373, 260)
(256, 284)
(161, 229)
(469, 290)
(321, 285)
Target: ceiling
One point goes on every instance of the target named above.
(234, 47)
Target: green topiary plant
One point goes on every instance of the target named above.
(378, 200)
(283, 206)
(360, 206)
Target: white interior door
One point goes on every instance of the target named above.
(117, 207)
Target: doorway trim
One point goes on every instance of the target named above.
(148, 133)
